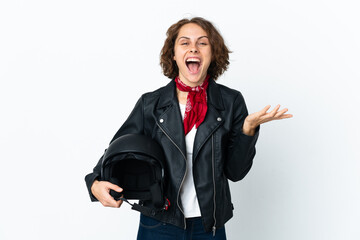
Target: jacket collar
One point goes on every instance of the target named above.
(168, 95)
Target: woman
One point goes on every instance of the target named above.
(205, 131)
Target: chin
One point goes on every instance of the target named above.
(195, 78)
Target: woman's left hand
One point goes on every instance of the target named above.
(253, 120)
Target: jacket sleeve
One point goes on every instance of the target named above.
(241, 147)
(134, 124)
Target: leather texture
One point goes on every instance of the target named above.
(221, 151)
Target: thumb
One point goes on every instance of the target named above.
(115, 187)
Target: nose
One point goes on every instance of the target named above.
(193, 48)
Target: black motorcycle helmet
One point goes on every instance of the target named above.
(136, 164)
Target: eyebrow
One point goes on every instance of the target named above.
(189, 38)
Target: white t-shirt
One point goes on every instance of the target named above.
(188, 194)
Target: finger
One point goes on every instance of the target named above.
(118, 203)
(274, 111)
(110, 202)
(279, 113)
(106, 199)
(265, 109)
(286, 116)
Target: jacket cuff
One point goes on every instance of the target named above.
(90, 178)
(250, 139)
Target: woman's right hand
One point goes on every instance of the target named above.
(101, 189)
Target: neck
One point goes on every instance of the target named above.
(182, 96)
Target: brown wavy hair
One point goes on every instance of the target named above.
(220, 53)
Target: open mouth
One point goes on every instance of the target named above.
(193, 64)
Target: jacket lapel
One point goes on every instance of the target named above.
(169, 116)
(213, 118)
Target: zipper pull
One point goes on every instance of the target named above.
(214, 230)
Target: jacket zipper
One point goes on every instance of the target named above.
(182, 181)
(213, 172)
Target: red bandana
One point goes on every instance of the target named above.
(196, 104)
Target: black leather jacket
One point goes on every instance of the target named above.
(221, 151)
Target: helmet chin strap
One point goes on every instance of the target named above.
(146, 210)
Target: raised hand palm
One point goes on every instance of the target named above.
(255, 119)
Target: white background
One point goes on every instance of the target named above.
(71, 71)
